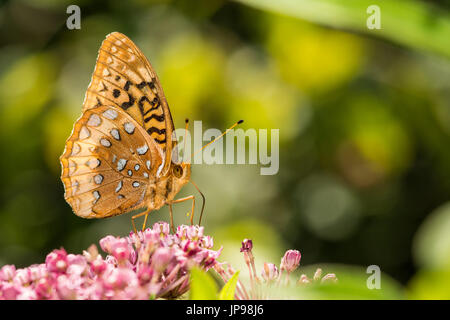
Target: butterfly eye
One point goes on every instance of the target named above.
(178, 171)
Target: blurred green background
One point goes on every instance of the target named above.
(364, 119)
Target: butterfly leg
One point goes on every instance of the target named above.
(146, 212)
(145, 221)
(171, 217)
(182, 200)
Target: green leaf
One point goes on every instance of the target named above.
(404, 22)
(227, 292)
(202, 286)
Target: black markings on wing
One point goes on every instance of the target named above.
(127, 85)
(152, 88)
(124, 78)
(160, 141)
(159, 118)
(150, 84)
(116, 93)
(143, 93)
(141, 104)
(141, 85)
(129, 103)
(154, 129)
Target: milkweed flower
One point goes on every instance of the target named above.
(148, 264)
(270, 272)
(329, 277)
(290, 260)
(247, 245)
(271, 275)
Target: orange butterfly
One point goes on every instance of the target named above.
(119, 155)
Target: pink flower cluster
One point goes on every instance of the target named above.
(145, 265)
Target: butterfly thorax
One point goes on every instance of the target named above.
(169, 185)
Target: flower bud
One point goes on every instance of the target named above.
(317, 274)
(207, 242)
(120, 278)
(7, 272)
(98, 265)
(247, 245)
(144, 273)
(194, 232)
(121, 251)
(290, 261)
(9, 291)
(106, 243)
(56, 261)
(161, 258)
(43, 288)
(270, 272)
(22, 277)
(27, 293)
(91, 253)
(304, 280)
(161, 228)
(330, 277)
(37, 271)
(66, 288)
(181, 232)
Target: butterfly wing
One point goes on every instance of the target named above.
(125, 79)
(108, 163)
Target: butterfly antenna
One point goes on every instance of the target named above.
(203, 205)
(185, 136)
(224, 133)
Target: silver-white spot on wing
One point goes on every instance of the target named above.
(93, 163)
(136, 184)
(84, 133)
(142, 150)
(129, 127)
(75, 149)
(119, 186)
(94, 120)
(115, 133)
(105, 142)
(75, 186)
(96, 195)
(110, 114)
(121, 164)
(98, 179)
(106, 72)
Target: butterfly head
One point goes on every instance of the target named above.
(181, 172)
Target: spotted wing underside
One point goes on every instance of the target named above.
(125, 79)
(108, 163)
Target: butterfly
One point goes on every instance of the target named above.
(119, 156)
